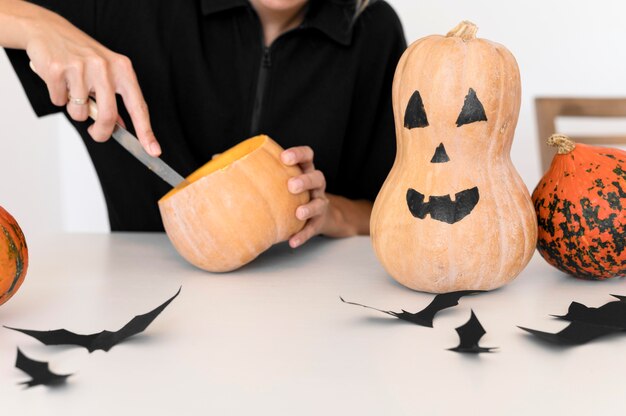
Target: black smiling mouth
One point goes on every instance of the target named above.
(442, 208)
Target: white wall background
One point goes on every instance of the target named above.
(570, 48)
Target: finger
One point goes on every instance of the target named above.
(57, 89)
(307, 182)
(78, 92)
(314, 208)
(77, 101)
(103, 127)
(57, 84)
(136, 105)
(304, 235)
(298, 155)
(120, 121)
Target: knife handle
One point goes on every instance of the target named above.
(93, 109)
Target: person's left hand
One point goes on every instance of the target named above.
(312, 180)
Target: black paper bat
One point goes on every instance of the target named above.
(610, 314)
(469, 335)
(104, 340)
(620, 297)
(425, 316)
(587, 323)
(38, 371)
(576, 333)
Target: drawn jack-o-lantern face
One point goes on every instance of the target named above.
(443, 208)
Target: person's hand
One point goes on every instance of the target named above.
(327, 214)
(313, 181)
(74, 67)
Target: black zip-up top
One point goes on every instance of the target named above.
(266, 63)
(210, 82)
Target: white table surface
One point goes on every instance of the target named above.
(274, 339)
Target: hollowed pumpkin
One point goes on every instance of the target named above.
(13, 256)
(581, 210)
(235, 207)
(454, 213)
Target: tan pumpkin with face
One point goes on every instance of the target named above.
(453, 213)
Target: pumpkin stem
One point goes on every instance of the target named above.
(563, 143)
(465, 30)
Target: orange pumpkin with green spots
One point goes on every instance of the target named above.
(581, 210)
(13, 256)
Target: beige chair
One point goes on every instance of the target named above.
(549, 108)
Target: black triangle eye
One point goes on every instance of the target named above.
(472, 111)
(415, 114)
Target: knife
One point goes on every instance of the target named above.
(134, 147)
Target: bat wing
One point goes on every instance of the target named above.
(39, 371)
(469, 335)
(611, 314)
(103, 340)
(440, 302)
(404, 315)
(58, 337)
(368, 307)
(576, 333)
(425, 316)
(107, 340)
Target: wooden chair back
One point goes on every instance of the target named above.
(549, 108)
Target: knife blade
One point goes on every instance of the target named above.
(129, 142)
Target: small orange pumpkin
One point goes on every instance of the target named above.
(454, 213)
(236, 207)
(581, 210)
(13, 256)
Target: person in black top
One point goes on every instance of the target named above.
(315, 75)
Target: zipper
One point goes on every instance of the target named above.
(266, 63)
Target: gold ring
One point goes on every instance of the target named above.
(77, 101)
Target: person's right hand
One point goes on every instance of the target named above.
(73, 65)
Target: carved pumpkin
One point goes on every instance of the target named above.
(453, 213)
(13, 256)
(581, 210)
(236, 207)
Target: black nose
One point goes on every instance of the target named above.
(440, 155)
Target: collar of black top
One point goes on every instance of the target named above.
(331, 17)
